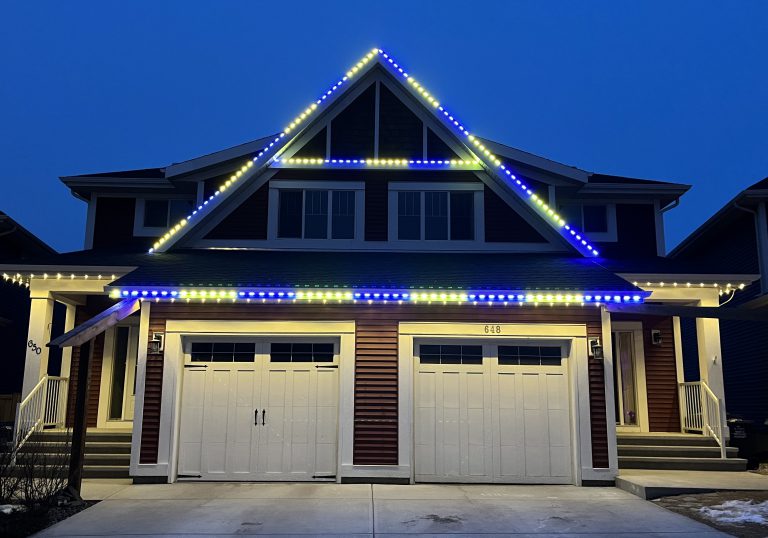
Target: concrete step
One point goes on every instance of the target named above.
(123, 460)
(90, 447)
(57, 436)
(675, 451)
(105, 471)
(664, 440)
(683, 464)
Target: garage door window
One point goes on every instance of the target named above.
(223, 352)
(300, 352)
(451, 354)
(530, 355)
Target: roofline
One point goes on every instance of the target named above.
(641, 188)
(21, 229)
(693, 278)
(537, 161)
(211, 159)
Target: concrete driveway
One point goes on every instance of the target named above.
(225, 509)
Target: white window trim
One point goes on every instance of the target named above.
(396, 187)
(611, 236)
(105, 383)
(274, 208)
(139, 230)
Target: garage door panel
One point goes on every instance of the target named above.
(510, 423)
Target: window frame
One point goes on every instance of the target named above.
(610, 236)
(423, 187)
(358, 187)
(139, 230)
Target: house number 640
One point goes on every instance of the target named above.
(493, 329)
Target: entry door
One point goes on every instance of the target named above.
(492, 413)
(273, 418)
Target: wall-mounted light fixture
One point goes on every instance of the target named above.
(595, 348)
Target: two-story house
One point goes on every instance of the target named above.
(377, 293)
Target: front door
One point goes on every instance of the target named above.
(119, 377)
(260, 411)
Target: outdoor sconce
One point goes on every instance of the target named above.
(595, 348)
(156, 344)
(656, 337)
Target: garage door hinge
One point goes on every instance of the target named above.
(328, 476)
(326, 365)
(189, 476)
(195, 366)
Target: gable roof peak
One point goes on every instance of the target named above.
(492, 163)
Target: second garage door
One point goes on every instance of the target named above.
(492, 413)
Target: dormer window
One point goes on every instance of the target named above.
(316, 210)
(155, 215)
(596, 220)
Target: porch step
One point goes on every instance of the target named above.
(665, 440)
(107, 453)
(669, 451)
(682, 464)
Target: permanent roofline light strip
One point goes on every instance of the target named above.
(576, 237)
(491, 160)
(432, 164)
(18, 278)
(379, 296)
(263, 156)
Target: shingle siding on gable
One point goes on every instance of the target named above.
(401, 132)
(247, 221)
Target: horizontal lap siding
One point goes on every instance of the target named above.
(376, 356)
(153, 392)
(660, 373)
(81, 316)
(598, 412)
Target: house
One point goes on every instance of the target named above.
(377, 294)
(16, 243)
(736, 238)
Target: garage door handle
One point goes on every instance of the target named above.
(255, 417)
(263, 413)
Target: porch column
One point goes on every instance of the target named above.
(38, 336)
(66, 353)
(710, 354)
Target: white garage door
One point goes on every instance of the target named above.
(254, 411)
(492, 413)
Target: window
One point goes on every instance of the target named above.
(300, 352)
(596, 220)
(436, 215)
(530, 355)
(223, 351)
(154, 214)
(304, 214)
(450, 354)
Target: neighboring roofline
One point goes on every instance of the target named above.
(29, 235)
(537, 161)
(681, 280)
(713, 220)
(667, 189)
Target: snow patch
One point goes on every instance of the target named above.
(8, 509)
(737, 512)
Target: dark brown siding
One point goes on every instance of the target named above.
(375, 438)
(352, 130)
(82, 314)
(247, 221)
(660, 373)
(113, 225)
(315, 148)
(153, 389)
(636, 232)
(437, 149)
(504, 224)
(376, 203)
(401, 133)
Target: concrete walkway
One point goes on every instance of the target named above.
(648, 484)
(351, 510)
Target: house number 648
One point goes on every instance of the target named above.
(493, 329)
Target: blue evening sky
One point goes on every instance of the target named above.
(675, 91)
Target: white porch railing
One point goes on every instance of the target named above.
(44, 406)
(702, 411)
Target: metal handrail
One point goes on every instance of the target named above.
(45, 405)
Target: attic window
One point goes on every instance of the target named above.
(596, 219)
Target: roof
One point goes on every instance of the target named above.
(395, 270)
(756, 191)
(18, 242)
(401, 270)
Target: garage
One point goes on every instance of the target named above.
(259, 410)
(492, 412)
